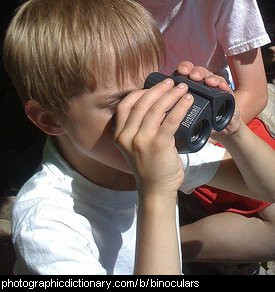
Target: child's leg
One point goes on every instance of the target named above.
(230, 237)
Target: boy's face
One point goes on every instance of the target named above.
(88, 134)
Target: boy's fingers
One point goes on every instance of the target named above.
(176, 115)
(142, 105)
(124, 108)
(185, 67)
(196, 73)
(199, 73)
(159, 109)
(217, 81)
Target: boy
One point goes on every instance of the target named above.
(75, 64)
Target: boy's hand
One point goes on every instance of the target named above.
(145, 135)
(198, 73)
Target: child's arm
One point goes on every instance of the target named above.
(145, 136)
(250, 83)
(254, 160)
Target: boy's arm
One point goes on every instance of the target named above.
(157, 246)
(252, 173)
(145, 136)
(250, 83)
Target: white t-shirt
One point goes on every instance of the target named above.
(64, 224)
(204, 31)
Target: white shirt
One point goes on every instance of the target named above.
(204, 31)
(64, 224)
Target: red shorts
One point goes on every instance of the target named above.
(217, 201)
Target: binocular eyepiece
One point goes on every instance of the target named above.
(212, 108)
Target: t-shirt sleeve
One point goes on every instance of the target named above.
(200, 167)
(240, 27)
(55, 243)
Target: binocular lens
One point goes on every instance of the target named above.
(224, 114)
(200, 134)
(221, 113)
(196, 133)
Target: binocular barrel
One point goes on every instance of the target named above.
(212, 108)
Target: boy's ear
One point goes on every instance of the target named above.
(42, 119)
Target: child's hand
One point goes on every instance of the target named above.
(198, 73)
(145, 135)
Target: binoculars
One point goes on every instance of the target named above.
(212, 108)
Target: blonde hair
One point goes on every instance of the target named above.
(55, 50)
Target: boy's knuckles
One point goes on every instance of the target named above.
(127, 103)
(214, 78)
(185, 67)
(159, 143)
(201, 71)
(221, 79)
(121, 139)
(122, 107)
(173, 119)
(156, 109)
(138, 142)
(140, 105)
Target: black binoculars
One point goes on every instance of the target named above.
(212, 108)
